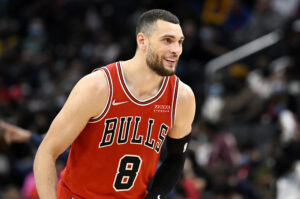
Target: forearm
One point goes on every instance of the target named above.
(166, 178)
(169, 172)
(45, 175)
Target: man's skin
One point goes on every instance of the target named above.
(90, 95)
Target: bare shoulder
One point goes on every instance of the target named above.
(185, 112)
(185, 94)
(185, 103)
(95, 81)
(93, 89)
(86, 100)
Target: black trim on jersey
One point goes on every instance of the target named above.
(135, 140)
(110, 84)
(162, 135)
(123, 135)
(129, 94)
(109, 132)
(174, 101)
(149, 131)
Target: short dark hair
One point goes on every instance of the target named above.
(148, 18)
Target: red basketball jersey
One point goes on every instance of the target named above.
(116, 154)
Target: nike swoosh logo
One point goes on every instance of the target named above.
(114, 103)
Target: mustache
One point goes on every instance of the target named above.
(172, 56)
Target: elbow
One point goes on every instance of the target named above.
(44, 155)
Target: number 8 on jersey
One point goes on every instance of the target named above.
(128, 169)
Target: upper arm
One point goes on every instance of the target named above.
(185, 112)
(86, 100)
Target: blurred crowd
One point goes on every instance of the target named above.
(246, 136)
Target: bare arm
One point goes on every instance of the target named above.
(185, 112)
(86, 100)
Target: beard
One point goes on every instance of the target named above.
(155, 63)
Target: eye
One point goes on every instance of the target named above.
(167, 40)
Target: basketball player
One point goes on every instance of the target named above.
(117, 119)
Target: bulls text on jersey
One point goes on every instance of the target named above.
(125, 133)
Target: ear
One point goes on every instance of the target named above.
(141, 40)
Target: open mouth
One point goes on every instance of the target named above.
(170, 61)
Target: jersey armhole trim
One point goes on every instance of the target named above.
(108, 103)
(174, 101)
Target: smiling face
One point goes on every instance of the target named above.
(164, 46)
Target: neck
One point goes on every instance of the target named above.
(141, 80)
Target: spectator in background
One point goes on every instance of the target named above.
(223, 146)
(286, 8)
(12, 193)
(287, 186)
(14, 134)
(264, 20)
(241, 104)
(5, 166)
(259, 79)
(192, 184)
(238, 17)
(44, 43)
(216, 11)
(287, 169)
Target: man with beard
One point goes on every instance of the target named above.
(117, 119)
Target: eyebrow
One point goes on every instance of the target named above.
(172, 36)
